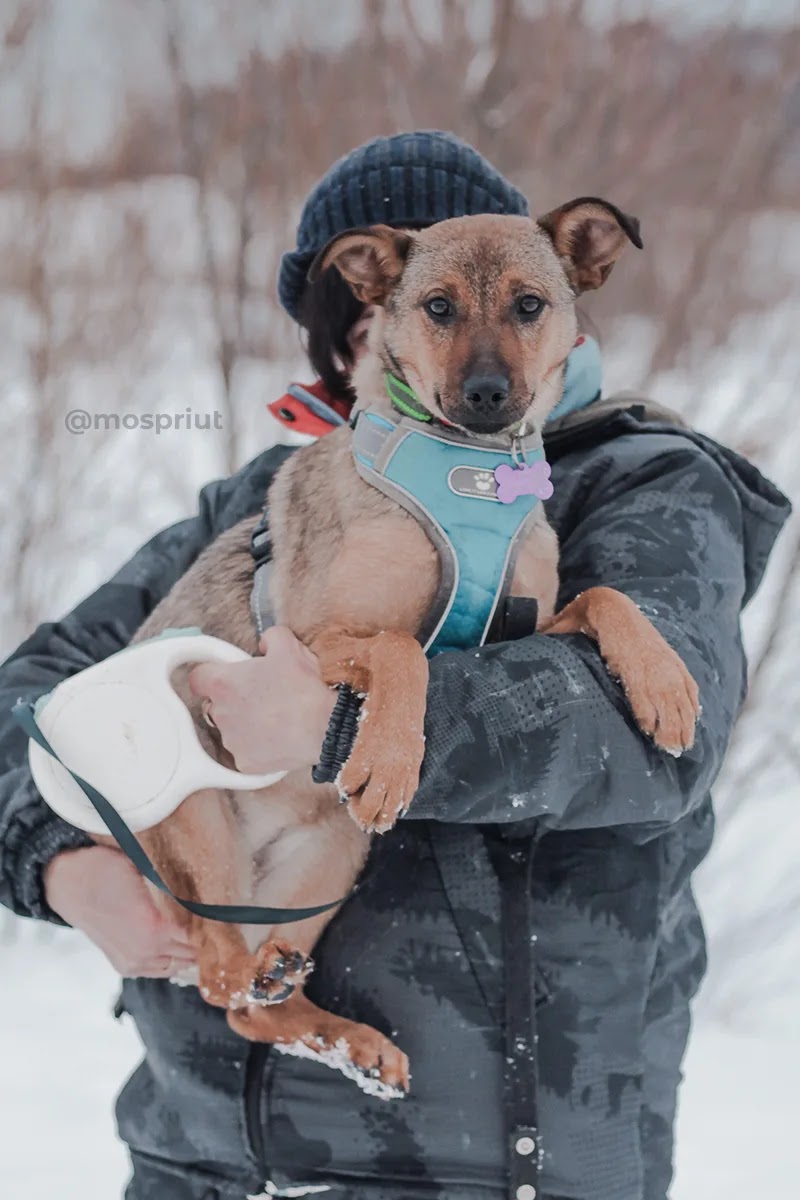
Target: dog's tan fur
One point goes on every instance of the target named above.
(354, 577)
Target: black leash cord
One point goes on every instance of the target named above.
(231, 914)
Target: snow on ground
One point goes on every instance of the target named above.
(63, 1058)
(737, 1129)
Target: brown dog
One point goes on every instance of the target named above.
(478, 316)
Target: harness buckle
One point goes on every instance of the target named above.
(261, 541)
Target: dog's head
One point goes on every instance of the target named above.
(478, 312)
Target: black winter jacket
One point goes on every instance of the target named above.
(522, 737)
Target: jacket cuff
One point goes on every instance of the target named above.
(38, 850)
(340, 736)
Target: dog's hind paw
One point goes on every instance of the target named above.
(368, 1058)
(279, 969)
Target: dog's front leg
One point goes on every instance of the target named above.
(381, 776)
(662, 694)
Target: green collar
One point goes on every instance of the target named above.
(404, 398)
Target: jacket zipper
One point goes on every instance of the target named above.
(253, 1092)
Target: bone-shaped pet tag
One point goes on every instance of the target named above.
(525, 480)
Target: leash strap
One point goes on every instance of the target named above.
(514, 868)
(231, 914)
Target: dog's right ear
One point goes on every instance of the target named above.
(370, 260)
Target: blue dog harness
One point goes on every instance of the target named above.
(447, 482)
(476, 540)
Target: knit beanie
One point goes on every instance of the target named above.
(412, 179)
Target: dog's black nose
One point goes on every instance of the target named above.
(486, 393)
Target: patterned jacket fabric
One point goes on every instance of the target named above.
(525, 737)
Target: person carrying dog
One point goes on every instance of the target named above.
(527, 930)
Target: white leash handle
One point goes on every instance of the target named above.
(121, 726)
(182, 651)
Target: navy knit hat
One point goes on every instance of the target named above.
(407, 179)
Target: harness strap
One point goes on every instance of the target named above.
(374, 440)
(518, 617)
(231, 914)
(261, 550)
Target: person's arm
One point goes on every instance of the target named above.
(31, 836)
(538, 729)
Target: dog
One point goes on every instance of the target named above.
(477, 316)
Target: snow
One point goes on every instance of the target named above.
(338, 1058)
(64, 1057)
(738, 1119)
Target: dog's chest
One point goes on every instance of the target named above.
(383, 574)
(360, 561)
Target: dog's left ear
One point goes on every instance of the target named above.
(370, 260)
(590, 234)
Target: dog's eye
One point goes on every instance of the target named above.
(529, 305)
(439, 308)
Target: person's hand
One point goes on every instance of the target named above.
(272, 712)
(99, 891)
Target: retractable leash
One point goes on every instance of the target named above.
(122, 723)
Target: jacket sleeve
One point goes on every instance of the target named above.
(537, 729)
(30, 834)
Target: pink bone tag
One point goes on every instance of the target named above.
(533, 480)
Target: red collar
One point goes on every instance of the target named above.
(297, 414)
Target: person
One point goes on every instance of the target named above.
(529, 744)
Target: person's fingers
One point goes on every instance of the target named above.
(178, 938)
(170, 928)
(170, 939)
(206, 680)
(181, 953)
(279, 640)
(164, 967)
(274, 639)
(160, 968)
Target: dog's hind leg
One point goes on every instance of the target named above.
(299, 1027)
(381, 776)
(199, 855)
(661, 692)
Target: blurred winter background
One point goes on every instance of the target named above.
(153, 157)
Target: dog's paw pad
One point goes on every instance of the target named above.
(280, 968)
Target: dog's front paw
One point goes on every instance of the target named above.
(662, 694)
(666, 705)
(379, 787)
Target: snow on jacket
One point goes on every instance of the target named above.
(531, 735)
